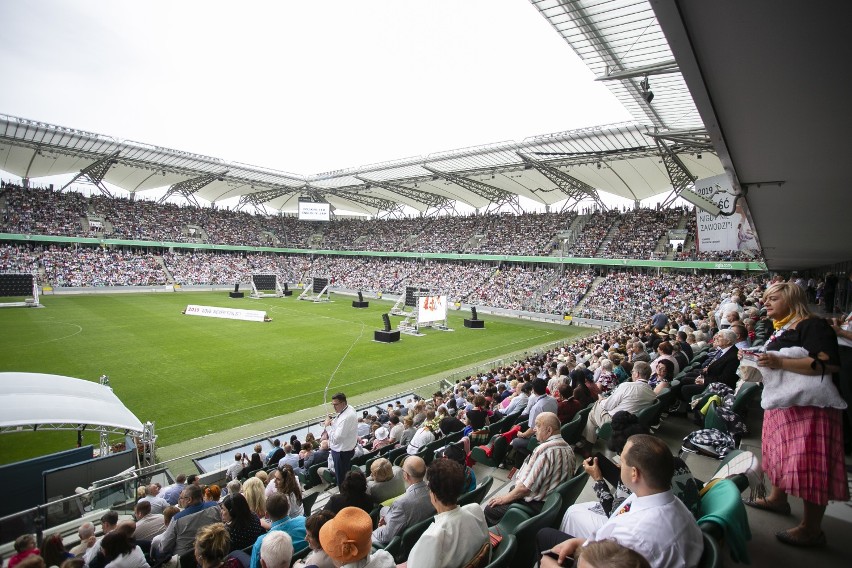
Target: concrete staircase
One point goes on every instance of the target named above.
(608, 238)
(595, 283)
(159, 260)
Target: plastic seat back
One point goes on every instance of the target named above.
(478, 494)
(527, 530)
(570, 490)
(571, 431)
(710, 558)
(503, 553)
(747, 392)
(308, 502)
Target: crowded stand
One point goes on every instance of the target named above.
(526, 234)
(454, 464)
(620, 295)
(93, 267)
(419, 462)
(628, 296)
(48, 212)
(639, 232)
(42, 211)
(593, 233)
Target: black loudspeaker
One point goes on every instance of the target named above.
(236, 294)
(360, 303)
(386, 336)
(287, 291)
(386, 320)
(474, 322)
(237, 287)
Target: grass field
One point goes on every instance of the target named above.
(196, 375)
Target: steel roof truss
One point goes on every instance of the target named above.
(433, 203)
(258, 198)
(575, 189)
(679, 175)
(386, 208)
(187, 188)
(94, 173)
(496, 197)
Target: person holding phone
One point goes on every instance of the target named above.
(652, 521)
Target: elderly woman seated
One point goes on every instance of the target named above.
(385, 481)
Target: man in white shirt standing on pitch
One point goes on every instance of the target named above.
(342, 433)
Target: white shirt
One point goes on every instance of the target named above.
(422, 437)
(343, 431)
(452, 540)
(631, 396)
(659, 527)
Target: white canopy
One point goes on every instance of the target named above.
(34, 401)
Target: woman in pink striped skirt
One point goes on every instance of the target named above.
(802, 445)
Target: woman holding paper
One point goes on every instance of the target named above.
(802, 424)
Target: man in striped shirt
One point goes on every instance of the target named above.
(551, 463)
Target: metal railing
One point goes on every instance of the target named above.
(65, 515)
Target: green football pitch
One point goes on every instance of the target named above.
(195, 375)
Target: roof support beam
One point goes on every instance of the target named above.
(259, 198)
(95, 173)
(386, 209)
(679, 174)
(187, 188)
(690, 140)
(594, 36)
(641, 71)
(496, 197)
(575, 189)
(435, 204)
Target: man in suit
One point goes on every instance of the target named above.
(179, 537)
(720, 367)
(412, 507)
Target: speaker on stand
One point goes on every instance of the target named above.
(386, 335)
(474, 322)
(360, 303)
(236, 293)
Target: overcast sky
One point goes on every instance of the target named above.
(299, 86)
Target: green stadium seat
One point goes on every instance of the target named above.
(504, 552)
(478, 494)
(499, 449)
(517, 522)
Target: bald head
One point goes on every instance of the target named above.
(546, 424)
(415, 468)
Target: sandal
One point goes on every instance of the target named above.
(787, 538)
(764, 505)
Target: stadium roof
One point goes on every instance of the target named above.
(765, 78)
(33, 401)
(622, 44)
(621, 159)
(620, 41)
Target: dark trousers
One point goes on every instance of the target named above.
(846, 393)
(547, 538)
(494, 514)
(342, 463)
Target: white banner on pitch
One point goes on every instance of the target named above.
(226, 313)
(432, 308)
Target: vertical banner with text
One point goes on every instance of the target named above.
(721, 232)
